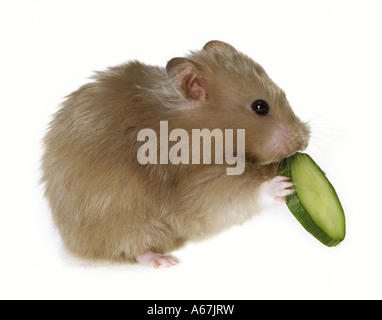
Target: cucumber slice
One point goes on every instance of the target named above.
(315, 203)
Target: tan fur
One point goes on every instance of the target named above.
(108, 206)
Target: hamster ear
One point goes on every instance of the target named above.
(216, 44)
(185, 75)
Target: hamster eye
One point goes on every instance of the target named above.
(260, 107)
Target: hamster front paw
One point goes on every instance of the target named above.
(156, 260)
(275, 190)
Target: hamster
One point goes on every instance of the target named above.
(107, 205)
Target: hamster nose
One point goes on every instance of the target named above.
(302, 146)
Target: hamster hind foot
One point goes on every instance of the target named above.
(156, 260)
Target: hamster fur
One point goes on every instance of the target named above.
(106, 205)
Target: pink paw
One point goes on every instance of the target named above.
(156, 260)
(275, 190)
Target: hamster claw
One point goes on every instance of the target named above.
(275, 190)
(156, 260)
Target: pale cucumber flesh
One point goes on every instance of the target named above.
(315, 203)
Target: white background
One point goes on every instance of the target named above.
(326, 55)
